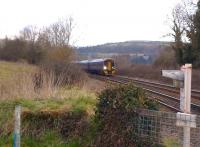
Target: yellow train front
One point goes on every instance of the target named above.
(99, 66)
(109, 67)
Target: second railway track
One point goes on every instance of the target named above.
(166, 87)
(163, 93)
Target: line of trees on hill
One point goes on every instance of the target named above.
(33, 44)
(186, 32)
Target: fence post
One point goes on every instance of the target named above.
(17, 126)
(183, 119)
(187, 101)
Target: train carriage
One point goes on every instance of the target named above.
(99, 66)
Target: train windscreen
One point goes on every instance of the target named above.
(109, 64)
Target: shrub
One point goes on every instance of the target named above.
(18, 49)
(122, 62)
(59, 62)
(127, 97)
(166, 59)
(35, 54)
(117, 117)
(13, 50)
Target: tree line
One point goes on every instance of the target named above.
(49, 48)
(186, 32)
(35, 45)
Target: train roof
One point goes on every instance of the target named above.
(94, 60)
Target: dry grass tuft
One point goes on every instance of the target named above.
(23, 85)
(18, 80)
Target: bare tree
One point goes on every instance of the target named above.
(183, 28)
(188, 16)
(29, 33)
(59, 33)
(55, 40)
(43, 39)
(177, 25)
(182, 22)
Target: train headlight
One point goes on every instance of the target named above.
(104, 67)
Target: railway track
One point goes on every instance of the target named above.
(166, 87)
(160, 92)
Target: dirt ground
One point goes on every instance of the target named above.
(94, 85)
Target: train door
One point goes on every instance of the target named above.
(109, 66)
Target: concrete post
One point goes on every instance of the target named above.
(187, 86)
(184, 76)
(187, 101)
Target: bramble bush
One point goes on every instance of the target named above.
(117, 117)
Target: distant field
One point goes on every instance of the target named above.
(9, 69)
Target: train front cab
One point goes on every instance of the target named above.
(109, 67)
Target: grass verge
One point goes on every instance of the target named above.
(48, 117)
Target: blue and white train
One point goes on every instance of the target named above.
(98, 66)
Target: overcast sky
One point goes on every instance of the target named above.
(97, 21)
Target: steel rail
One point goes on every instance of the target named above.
(168, 106)
(156, 85)
(194, 106)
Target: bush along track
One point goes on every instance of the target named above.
(117, 117)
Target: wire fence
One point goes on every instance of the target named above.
(163, 128)
(154, 126)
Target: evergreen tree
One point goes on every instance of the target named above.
(189, 54)
(196, 43)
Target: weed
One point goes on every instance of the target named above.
(170, 142)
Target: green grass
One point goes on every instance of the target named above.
(81, 100)
(6, 141)
(48, 139)
(74, 103)
(171, 142)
